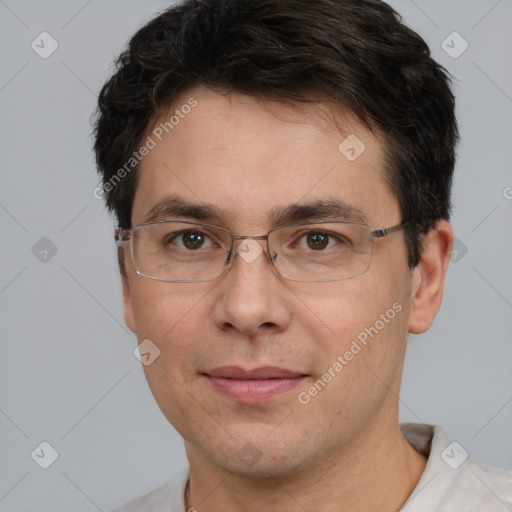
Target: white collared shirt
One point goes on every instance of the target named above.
(451, 482)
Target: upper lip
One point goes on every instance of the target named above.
(264, 372)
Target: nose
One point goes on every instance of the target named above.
(252, 296)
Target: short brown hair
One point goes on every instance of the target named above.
(355, 52)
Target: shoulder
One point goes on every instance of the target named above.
(452, 480)
(483, 487)
(168, 497)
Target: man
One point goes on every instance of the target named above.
(281, 173)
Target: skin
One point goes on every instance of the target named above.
(343, 450)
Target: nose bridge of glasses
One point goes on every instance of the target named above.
(254, 237)
(248, 248)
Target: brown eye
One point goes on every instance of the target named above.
(191, 240)
(317, 240)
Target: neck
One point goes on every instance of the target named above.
(379, 471)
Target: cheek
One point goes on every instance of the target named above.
(363, 323)
(161, 308)
(175, 318)
(362, 356)
(341, 310)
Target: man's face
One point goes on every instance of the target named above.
(248, 158)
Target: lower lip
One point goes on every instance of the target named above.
(254, 391)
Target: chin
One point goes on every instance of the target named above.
(264, 468)
(260, 458)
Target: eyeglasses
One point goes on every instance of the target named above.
(189, 252)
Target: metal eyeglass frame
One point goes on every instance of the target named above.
(125, 235)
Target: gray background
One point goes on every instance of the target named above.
(68, 375)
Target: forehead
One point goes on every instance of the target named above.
(248, 157)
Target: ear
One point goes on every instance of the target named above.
(428, 277)
(129, 316)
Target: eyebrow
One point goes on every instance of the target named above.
(175, 206)
(320, 209)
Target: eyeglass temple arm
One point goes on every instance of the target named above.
(121, 235)
(379, 233)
